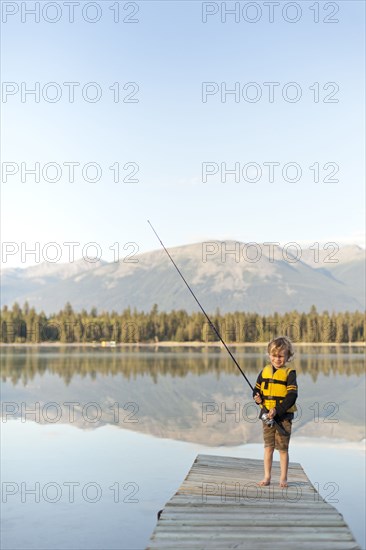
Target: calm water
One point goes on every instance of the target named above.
(94, 442)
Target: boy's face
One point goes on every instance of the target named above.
(278, 358)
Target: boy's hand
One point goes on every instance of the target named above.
(257, 398)
(272, 413)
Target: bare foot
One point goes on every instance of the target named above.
(283, 483)
(264, 482)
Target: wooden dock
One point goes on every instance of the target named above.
(220, 506)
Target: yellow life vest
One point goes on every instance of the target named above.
(274, 386)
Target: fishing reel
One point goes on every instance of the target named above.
(268, 421)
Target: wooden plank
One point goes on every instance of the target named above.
(259, 521)
(234, 510)
(220, 506)
(236, 531)
(196, 500)
(255, 545)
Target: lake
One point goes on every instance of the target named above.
(95, 441)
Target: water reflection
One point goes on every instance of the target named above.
(23, 363)
(187, 394)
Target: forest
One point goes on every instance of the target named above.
(26, 325)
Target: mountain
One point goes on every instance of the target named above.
(277, 281)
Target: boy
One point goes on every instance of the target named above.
(276, 390)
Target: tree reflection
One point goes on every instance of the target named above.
(22, 365)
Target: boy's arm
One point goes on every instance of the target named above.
(291, 396)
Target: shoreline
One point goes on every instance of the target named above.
(168, 344)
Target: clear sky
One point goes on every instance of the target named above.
(173, 128)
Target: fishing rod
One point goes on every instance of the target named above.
(203, 311)
(265, 418)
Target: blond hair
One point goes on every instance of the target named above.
(282, 343)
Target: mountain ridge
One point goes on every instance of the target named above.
(277, 281)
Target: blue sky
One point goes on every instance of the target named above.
(170, 132)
